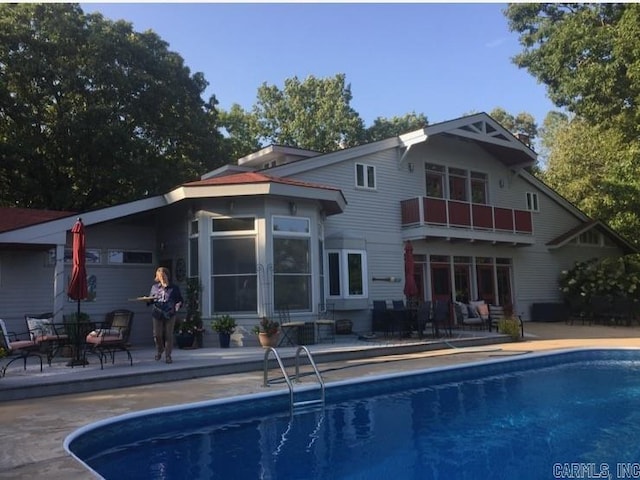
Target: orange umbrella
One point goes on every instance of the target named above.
(410, 287)
(77, 289)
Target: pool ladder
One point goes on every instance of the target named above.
(296, 378)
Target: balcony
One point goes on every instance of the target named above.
(450, 219)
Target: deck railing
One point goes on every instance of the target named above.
(453, 213)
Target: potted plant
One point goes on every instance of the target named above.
(185, 331)
(267, 331)
(224, 325)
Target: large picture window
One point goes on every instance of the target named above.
(347, 273)
(291, 264)
(233, 266)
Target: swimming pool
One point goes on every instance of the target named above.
(535, 416)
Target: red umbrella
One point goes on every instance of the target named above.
(410, 287)
(78, 285)
(77, 289)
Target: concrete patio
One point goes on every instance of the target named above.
(34, 427)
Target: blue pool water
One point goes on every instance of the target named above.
(531, 417)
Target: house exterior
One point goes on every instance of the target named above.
(292, 228)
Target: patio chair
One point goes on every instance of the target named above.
(380, 317)
(290, 330)
(442, 317)
(469, 316)
(600, 309)
(19, 349)
(326, 323)
(51, 338)
(423, 317)
(399, 318)
(110, 337)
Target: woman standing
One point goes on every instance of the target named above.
(167, 301)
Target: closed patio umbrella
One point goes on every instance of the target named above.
(77, 289)
(410, 287)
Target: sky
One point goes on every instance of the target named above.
(443, 60)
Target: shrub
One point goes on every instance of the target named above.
(510, 326)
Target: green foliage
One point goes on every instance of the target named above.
(510, 326)
(588, 55)
(267, 326)
(522, 123)
(223, 324)
(3, 352)
(598, 170)
(313, 114)
(611, 276)
(389, 127)
(97, 112)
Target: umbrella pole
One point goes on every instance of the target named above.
(76, 360)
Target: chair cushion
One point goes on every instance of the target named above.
(102, 339)
(106, 332)
(21, 344)
(40, 327)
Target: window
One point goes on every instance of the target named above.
(233, 265)
(434, 180)
(458, 184)
(365, 176)
(291, 263)
(347, 273)
(532, 202)
(589, 238)
(479, 187)
(130, 257)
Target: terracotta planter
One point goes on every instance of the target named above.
(268, 341)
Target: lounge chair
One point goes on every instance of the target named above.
(110, 337)
(442, 316)
(19, 349)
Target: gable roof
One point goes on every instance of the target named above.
(479, 128)
(569, 235)
(14, 217)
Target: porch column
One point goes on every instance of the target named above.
(59, 295)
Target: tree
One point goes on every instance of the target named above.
(385, 128)
(93, 113)
(588, 56)
(552, 123)
(313, 114)
(596, 169)
(523, 122)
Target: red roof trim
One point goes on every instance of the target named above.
(254, 177)
(12, 218)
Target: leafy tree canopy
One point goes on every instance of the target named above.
(93, 113)
(588, 56)
(314, 114)
(596, 168)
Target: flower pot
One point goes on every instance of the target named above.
(268, 341)
(184, 340)
(225, 339)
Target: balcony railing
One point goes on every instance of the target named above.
(423, 211)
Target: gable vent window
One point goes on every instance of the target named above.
(365, 176)
(532, 202)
